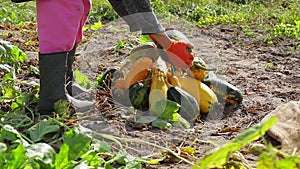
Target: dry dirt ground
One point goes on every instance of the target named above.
(268, 76)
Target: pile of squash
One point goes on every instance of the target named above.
(147, 78)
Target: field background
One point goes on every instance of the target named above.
(254, 44)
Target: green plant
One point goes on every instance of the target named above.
(19, 101)
(11, 56)
(102, 11)
(287, 30)
(83, 80)
(269, 64)
(121, 44)
(221, 155)
(17, 13)
(21, 154)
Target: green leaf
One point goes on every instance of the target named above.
(154, 161)
(121, 157)
(10, 91)
(38, 131)
(265, 161)
(96, 26)
(145, 38)
(62, 108)
(2, 50)
(83, 80)
(101, 146)
(16, 158)
(43, 150)
(292, 162)
(21, 56)
(61, 159)
(221, 155)
(162, 124)
(79, 139)
(189, 150)
(9, 133)
(169, 108)
(20, 102)
(93, 159)
(181, 123)
(3, 158)
(9, 76)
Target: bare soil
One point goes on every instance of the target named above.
(268, 76)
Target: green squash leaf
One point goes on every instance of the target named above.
(96, 26)
(43, 150)
(61, 159)
(145, 38)
(9, 133)
(169, 110)
(101, 146)
(92, 159)
(16, 158)
(40, 130)
(83, 80)
(162, 124)
(221, 155)
(79, 140)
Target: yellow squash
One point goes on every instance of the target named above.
(158, 89)
(173, 80)
(201, 92)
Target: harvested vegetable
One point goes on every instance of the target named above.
(225, 91)
(139, 94)
(189, 109)
(201, 92)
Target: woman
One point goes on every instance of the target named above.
(60, 25)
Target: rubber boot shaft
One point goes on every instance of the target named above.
(70, 61)
(52, 80)
(73, 87)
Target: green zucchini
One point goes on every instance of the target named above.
(189, 109)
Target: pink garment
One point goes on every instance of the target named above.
(60, 23)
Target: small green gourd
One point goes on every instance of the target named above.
(139, 94)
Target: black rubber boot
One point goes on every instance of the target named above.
(73, 88)
(52, 80)
(53, 68)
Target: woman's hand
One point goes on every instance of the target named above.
(178, 52)
(180, 55)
